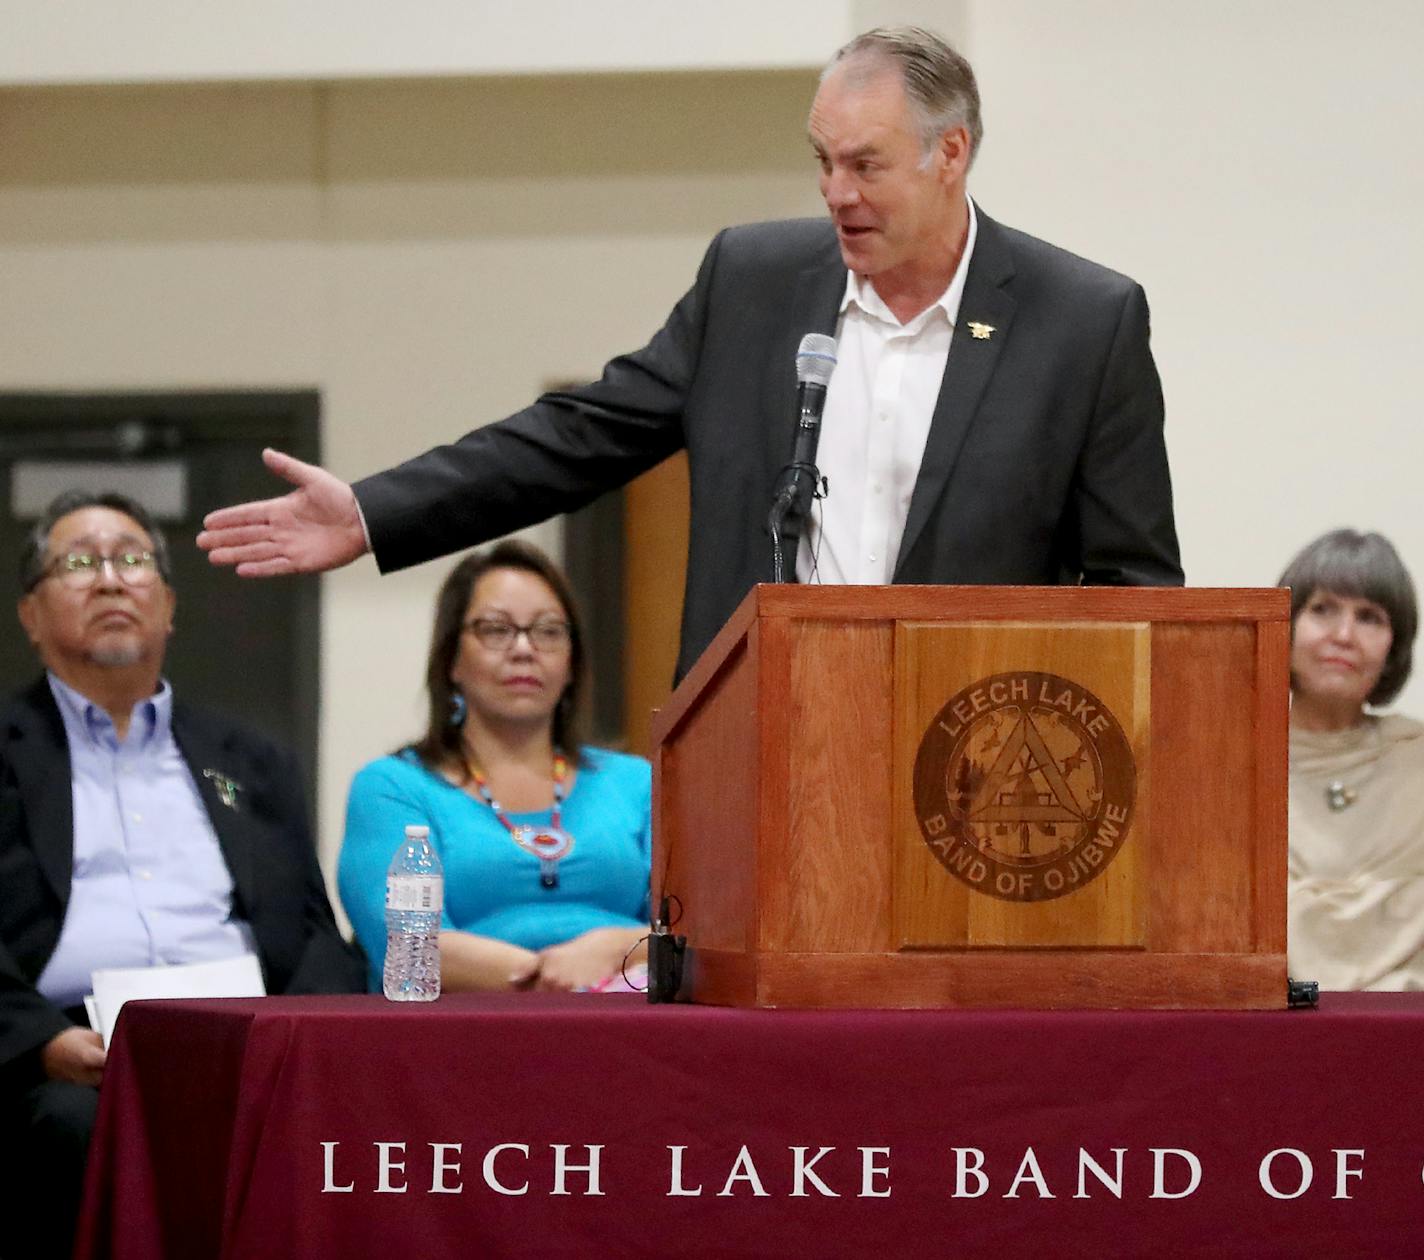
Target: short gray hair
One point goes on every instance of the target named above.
(32, 558)
(1361, 566)
(939, 82)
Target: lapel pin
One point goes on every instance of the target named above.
(980, 332)
(227, 789)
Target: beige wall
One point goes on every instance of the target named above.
(429, 253)
(1254, 166)
(162, 41)
(170, 41)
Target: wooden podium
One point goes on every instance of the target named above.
(981, 796)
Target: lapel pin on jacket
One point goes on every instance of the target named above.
(227, 789)
(981, 332)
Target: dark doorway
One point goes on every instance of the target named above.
(249, 649)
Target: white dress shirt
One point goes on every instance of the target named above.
(879, 405)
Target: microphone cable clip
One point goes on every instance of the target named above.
(788, 479)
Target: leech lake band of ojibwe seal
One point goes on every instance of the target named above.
(1024, 786)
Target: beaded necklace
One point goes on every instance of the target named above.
(549, 844)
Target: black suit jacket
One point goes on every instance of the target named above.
(277, 883)
(1045, 461)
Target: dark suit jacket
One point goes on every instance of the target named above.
(1045, 461)
(277, 884)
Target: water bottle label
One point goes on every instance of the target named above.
(414, 892)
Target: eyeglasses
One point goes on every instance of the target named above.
(79, 570)
(499, 635)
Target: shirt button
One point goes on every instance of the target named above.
(137, 817)
(145, 874)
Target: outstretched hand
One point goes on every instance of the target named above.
(314, 528)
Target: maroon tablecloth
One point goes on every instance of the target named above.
(243, 1128)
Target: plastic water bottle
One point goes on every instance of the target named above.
(415, 892)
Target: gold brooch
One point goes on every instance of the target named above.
(980, 332)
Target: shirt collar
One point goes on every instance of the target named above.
(151, 719)
(861, 292)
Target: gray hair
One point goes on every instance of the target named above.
(938, 81)
(32, 558)
(1361, 566)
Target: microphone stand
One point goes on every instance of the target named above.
(793, 480)
(799, 482)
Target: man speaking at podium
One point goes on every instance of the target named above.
(995, 415)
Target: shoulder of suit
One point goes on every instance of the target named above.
(800, 243)
(216, 727)
(1036, 258)
(795, 242)
(34, 703)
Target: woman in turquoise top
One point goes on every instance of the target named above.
(545, 842)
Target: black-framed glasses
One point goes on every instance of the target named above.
(499, 635)
(79, 570)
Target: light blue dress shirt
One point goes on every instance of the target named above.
(150, 884)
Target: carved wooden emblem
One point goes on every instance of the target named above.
(1024, 786)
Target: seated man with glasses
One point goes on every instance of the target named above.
(135, 830)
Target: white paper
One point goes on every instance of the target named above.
(230, 977)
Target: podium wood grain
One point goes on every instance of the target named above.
(784, 826)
